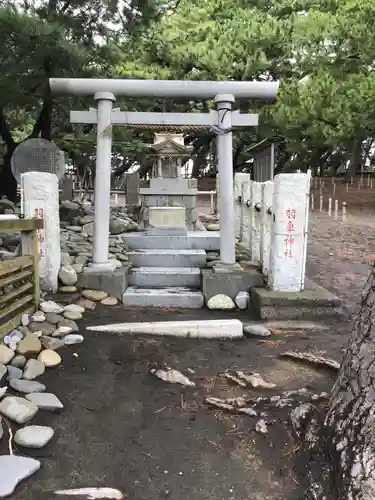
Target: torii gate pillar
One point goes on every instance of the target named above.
(103, 170)
(224, 104)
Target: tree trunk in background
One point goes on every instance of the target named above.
(200, 160)
(8, 184)
(355, 160)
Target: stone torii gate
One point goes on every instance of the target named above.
(221, 121)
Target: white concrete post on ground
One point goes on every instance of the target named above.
(212, 202)
(321, 204)
(241, 188)
(103, 181)
(336, 209)
(116, 199)
(329, 206)
(40, 200)
(289, 237)
(224, 104)
(312, 202)
(248, 214)
(267, 224)
(256, 222)
(344, 211)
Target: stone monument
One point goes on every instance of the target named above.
(169, 202)
(37, 165)
(40, 200)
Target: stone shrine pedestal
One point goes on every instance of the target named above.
(173, 193)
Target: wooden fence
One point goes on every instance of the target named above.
(19, 276)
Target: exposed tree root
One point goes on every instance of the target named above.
(312, 359)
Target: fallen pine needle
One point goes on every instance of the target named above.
(161, 409)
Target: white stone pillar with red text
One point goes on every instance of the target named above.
(256, 220)
(242, 184)
(40, 199)
(267, 225)
(289, 236)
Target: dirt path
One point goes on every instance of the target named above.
(121, 427)
(340, 254)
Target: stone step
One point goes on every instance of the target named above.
(174, 297)
(160, 277)
(203, 240)
(167, 258)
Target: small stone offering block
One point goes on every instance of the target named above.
(167, 217)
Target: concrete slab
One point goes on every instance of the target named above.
(314, 302)
(229, 283)
(203, 329)
(178, 191)
(160, 277)
(113, 282)
(200, 240)
(167, 258)
(171, 297)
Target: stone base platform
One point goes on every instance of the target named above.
(314, 302)
(199, 240)
(230, 283)
(113, 282)
(168, 297)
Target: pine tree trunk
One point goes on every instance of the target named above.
(342, 446)
(351, 415)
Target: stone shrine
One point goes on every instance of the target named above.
(169, 202)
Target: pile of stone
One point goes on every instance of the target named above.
(27, 353)
(243, 257)
(77, 230)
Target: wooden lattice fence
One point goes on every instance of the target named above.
(19, 276)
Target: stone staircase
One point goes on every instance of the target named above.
(166, 270)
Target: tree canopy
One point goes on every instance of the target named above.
(320, 50)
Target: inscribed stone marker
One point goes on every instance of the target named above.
(289, 238)
(40, 199)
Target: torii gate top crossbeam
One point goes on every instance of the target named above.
(172, 89)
